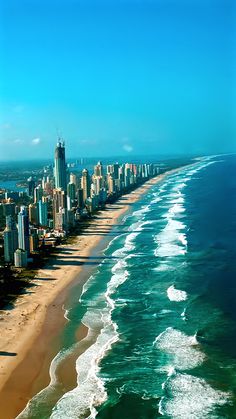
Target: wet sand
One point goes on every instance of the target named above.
(30, 332)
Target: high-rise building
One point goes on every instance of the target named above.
(98, 182)
(113, 169)
(20, 258)
(111, 184)
(85, 184)
(9, 209)
(23, 230)
(38, 193)
(34, 240)
(10, 239)
(33, 214)
(98, 169)
(116, 171)
(60, 220)
(43, 213)
(127, 175)
(71, 191)
(59, 209)
(74, 179)
(60, 166)
(71, 194)
(80, 198)
(31, 186)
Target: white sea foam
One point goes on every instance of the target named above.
(113, 240)
(47, 392)
(179, 186)
(176, 295)
(164, 267)
(177, 199)
(182, 238)
(170, 241)
(176, 209)
(190, 397)
(183, 350)
(90, 392)
(156, 198)
(183, 314)
(142, 211)
(86, 286)
(163, 312)
(66, 312)
(83, 400)
(169, 250)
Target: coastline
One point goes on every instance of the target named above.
(34, 323)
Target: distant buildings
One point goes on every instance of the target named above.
(57, 200)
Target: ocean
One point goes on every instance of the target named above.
(160, 308)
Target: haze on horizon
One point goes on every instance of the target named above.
(121, 77)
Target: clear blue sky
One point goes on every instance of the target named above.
(117, 77)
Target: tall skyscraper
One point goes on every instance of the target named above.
(43, 213)
(85, 184)
(20, 258)
(116, 170)
(33, 214)
(59, 209)
(10, 239)
(111, 183)
(31, 186)
(71, 191)
(98, 169)
(71, 194)
(23, 230)
(74, 179)
(38, 193)
(60, 166)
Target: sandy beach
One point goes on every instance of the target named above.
(29, 332)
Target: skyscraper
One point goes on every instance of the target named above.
(20, 258)
(33, 214)
(74, 179)
(43, 213)
(98, 169)
(60, 166)
(10, 239)
(59, 209)
(31, 186)
(38, 193)
(85, 184)
(23, 229)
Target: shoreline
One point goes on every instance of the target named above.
(34, 324)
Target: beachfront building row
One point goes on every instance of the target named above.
(58, 201)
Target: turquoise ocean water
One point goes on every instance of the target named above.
(161, 309)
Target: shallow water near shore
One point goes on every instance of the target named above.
(160, 309)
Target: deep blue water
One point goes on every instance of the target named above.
(10, 185)
(164, 299)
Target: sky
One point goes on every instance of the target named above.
(117, 77)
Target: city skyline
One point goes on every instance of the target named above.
(55, 202)
(117, 79)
